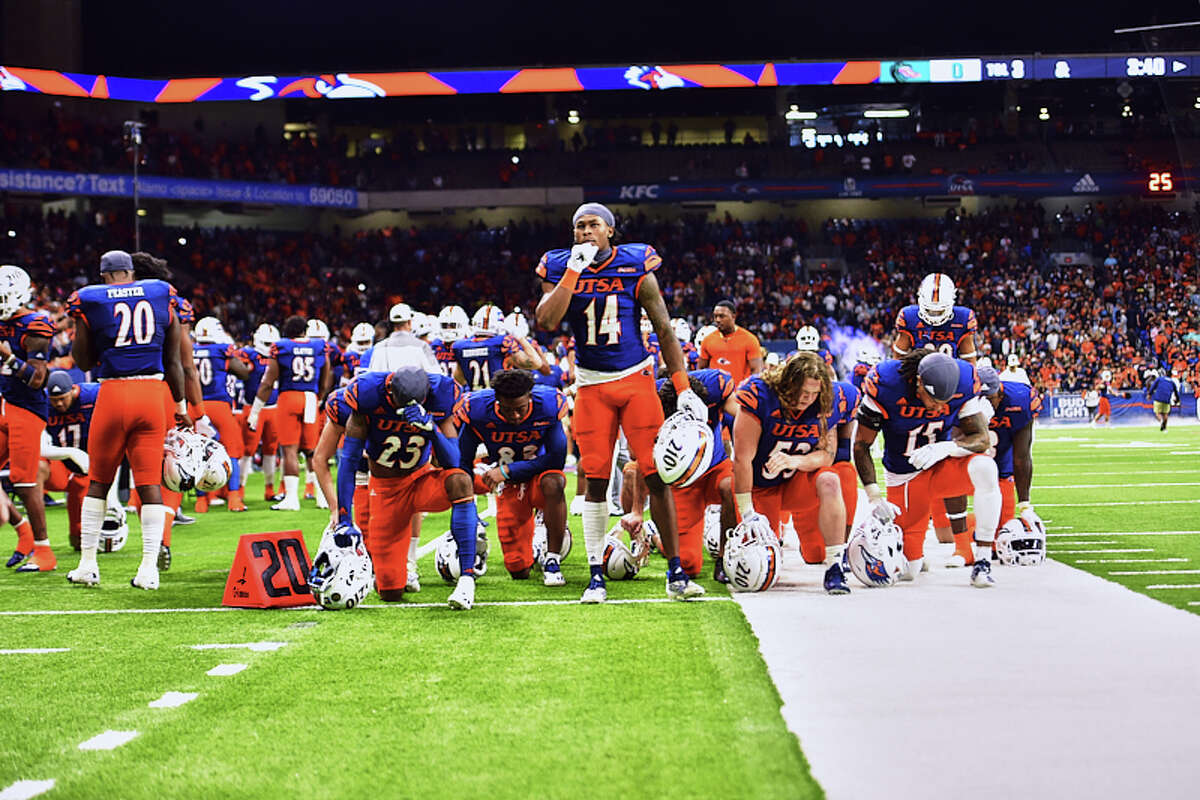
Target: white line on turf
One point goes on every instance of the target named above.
(257, 647)
(1119, 503)
(1112, 485)
(1185, 452)
(1090, 473)
(174, 699)
(1174, 586)
(1113, 550)
(225, 670)
(23, 790)
(34, 651)
(1088, 541)
(401, 606)
(1129, 560)
(1120, 533)
(109, 740)
(1155, 572)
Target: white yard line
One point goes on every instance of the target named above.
(841, 703)
(23, 790)
(1089, 473)
(1120, 503)
(1114, 550)
(1112, 485)
(1125, 533)
(34, 651)
(256, 647)
(1156, 572)
(225, 670)
(109, 740)
(174, 699)
(1174, 586)
(1085, 541)
(1129, 561)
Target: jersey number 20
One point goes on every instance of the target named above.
(138, 321)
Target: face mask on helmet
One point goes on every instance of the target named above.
(683, 449)
(752, 556)
(341, 576)
(935, 299)
(541, 541)
(488, 319)
(808, 339)
(15, 290)
(876, 552)
(683, 331)
(454, 323)
(265, 335)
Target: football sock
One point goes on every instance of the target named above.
(988, 498)
(464, 520)
(153, 516)
(91, 517)
(235, 475)
(245, 462)
(983, 552)
(673, 565)
(24, 536)
(595, 520)
(268, 466)
(833, 553)
(170, 501)
(291, 488)
(413, 544)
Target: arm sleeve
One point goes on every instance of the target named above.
(553, 456)
(468, 443)
(349, 455)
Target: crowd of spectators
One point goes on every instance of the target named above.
(1136, 306)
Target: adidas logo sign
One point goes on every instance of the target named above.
(1085, 185)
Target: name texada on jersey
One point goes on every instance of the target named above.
(604, 312)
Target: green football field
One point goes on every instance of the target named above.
(528, 695)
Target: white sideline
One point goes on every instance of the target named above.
(1156, 572)
(1175, 586)
(34, 651)
(109, 740)
(23, 790)
(1112, 485)
(255, 647)
(924, 681)
(1117, 503)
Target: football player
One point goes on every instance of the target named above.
(915, 402)
(730, 347)
(520, 424)
(715, 486)
(1013, 371)
(683, 332)
(398, 418)
(24, 341)
(492, 349)
(361, 339)
(784, 443)
(257, 355)
(64, 460)
(127, 329)
(219, 366)
(808, 340)
(1163, 390)
(299, 365)
(600, 287)
(1014, 406)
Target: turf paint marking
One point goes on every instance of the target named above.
(1089, 552)
(1086, 541)
(1124, 472)
(1112, 486)
(394, 606)
(1123, 533)
(256, 647)
(225, 670)
(1130, 560)
(109, 740)
(174, 699)
(1156, 572)
(1174, 586)
(23, 790)
(1118, 503)
(34, 651)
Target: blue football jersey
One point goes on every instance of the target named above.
(1019, 404)
(300, 362)
(604, 314)
(947, 338)
(16, 331)
(861, 368)
(845, 406)
(128, 324)
(555, 380)
(258, 367)
(519, 444)
(391, 441)
(719, 385)
(906, 423)
(212, 365)
(70, 428)
(781, 431)
(691, 356)
(337, 409)
(482, 356)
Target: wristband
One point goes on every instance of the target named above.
(1025, 505)
(181, 407)
(744, 504)
(569, 279)
(23, 371)
(504, 471)
(873, 493)
(681, 382)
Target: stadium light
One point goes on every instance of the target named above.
(1126, 111)
(1197, 103)
(573, 117)
(886, 113)
(182, 241)
(1043, 114)
(362, 287)
(516, 159)
(12, 234)
(794, 113)
(141, 212)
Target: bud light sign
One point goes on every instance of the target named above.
(1068, 407)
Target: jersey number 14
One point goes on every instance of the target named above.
(609, 324)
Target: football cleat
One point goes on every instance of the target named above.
(183, 519)
(269, 494)
(680, 587)
(146, 578)
(719, 571)
(835, 580)
(413, 582)
(164, 558)
(957, 561)
(42, 560)
(321, 501)
(84, 576)
(981, 574)
(17, 557)
(284, 505)
(596, 592)
(552, 573)
(463, 596)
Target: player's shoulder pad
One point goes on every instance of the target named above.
(552, 264)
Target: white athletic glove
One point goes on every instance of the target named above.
(582, 256)
(1030, 517)
(690, 403)
(881, 509)
(925, 457)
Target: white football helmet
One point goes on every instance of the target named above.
(361, 338)
(208, 330)
(488, 319)
(712, 531)
(455, 323)
(423, 325)
(876, 552)
(808, 339)
(265, 335)
(341, 576)
(15, 290)
(702, 334)
(1020, 546)
(114, 530)
(217, 467)
(935, 298)
(752, 555)
(317, 329)
(446, 555)
(183, 459)
(683, 449)
(772, 358)
(621, 562)
(683, 330)
(516, 324)
(541, 542)
(868, 355)
(652, 536)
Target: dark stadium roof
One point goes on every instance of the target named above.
(152, 37)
